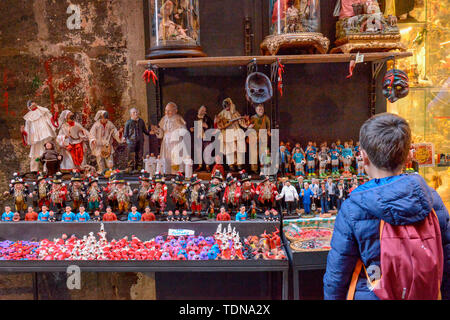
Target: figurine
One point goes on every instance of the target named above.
(97, 217)
(298, 159)
(150, 164)
(275, 216)
(314, 186)
(134, 215)
(247, 189)
(135, 129)
(171, 124)
(196, 194)
(31, 215)
(310, 158)
(214, 193)
(324, 197)
(331, 189)
(218, 166)
(160, 165)
(229, 121)
(170, 216)
(169, 30)
(290, 195)
(158, 198)
(267, 216)
(93, 195)
(307, 195)
(335, 154)
(266, 191)
(232, 195)
(50, 159)
(346, 157)
(19, 190)
(148, 215)
(51, 217)
(340, 196)
(260, 121)
(101, 137)
(197, 127)
(143, 194)
(71, 138)
(109, 170)
(44, 214)
(76, 190)
(68, 215)
(184, 216)
(188, 165)
(41, 191)
(109, 215)
(284, 158)
(40, 127)
(266, 163)
(8, 215)
(223, 215)
(178, 194)
(242, 214)
(360, 164)
(121, 192)
(324, 159)
(82, 215)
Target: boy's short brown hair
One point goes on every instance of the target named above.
(386, 138)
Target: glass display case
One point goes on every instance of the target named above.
(425, 31)
(174, 29)
(294, 28)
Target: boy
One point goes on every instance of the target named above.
(242, 214)
(290, 195)
(148, 215)
(134, 216)
(68, 216)
(82, 216)
(306, 194)
(43, 215)
(51, 217)
(7, 215)
(109, 215)
(395, 198)
(31, 215)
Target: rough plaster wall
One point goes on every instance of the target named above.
(84, 70)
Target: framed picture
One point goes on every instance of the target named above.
(424, 154)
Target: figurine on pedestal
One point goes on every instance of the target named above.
(307, 196)
(101, 138)
(172, 125)
(290, 195)
(148, 215)
(19, 190)
(229, 121)
(242, 214)
(335, 154)
(135, 129)
(324, 160)
(121, 193)
(360, 164)
(196, 195)
(76, 190)
(284, 159)
(347, 157)
(310, 159)
(41, 191)
(247, 189)
(40, 127)
(178, 193)
(223, 215)
(298, 159)
(150, 164)
(58, 194)
(198, 125)
(158, 198)
(50, 159)
(232, 195)
(266, 192)
(260, 121)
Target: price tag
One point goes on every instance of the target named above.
(181, 232)
(359, 58)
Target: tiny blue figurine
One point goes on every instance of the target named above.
(134, 216)
(8, 215)
(241, 215)
(68, 215)
(307, 194)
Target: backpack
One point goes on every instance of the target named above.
(411, 262)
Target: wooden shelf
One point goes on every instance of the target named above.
(290, 59)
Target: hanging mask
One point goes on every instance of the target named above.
(395, 85)
(258, 87)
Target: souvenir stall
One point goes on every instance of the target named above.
(300, 76)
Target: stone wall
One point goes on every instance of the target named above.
(84, 70)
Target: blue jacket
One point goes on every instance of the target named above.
(398, 200)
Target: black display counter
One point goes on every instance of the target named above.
(303, 261)
(15, 231)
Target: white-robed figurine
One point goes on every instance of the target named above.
(101, 138)
(171, 129)
(71, 139)
(40, 128)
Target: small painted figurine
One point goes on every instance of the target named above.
(184, 216)
(223, 215)
(121, 192)
(232, 195)
(266, 192)
(214, 193)
(134, 215)
(51, 159)
(335, 154)
(44, 214)
(68, 215)
(19, 190)
(196, 195)
(324, 159)
(143, 195)
(93, 195)
(8, 215)
(58, 194)
(41, 191)
(31, 215)
(346, 157)
(82, 215)
(135, 129)
(324, 197)
(76, 190)
(360, 164)
(298, 159)
(284, 159)
(242, 214)
(247, 189)
(109, 215)
(150, 164)
(97, 217)
(290, 195)
(178, 194)
(158, 198)
(310, 158)
(218, 166)
(170, 216)
(148, 215)
(307, 196)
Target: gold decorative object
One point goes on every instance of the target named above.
(312, 42)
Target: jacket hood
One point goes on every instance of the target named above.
(404, 201)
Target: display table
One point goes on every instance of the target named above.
(143, 230)
(302, 261)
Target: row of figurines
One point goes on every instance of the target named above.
(196, 196)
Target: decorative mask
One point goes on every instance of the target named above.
(258, 88)
(395, 85)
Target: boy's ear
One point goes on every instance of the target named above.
(365, 157)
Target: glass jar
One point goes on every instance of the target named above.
(174, 28)
(294, 16)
